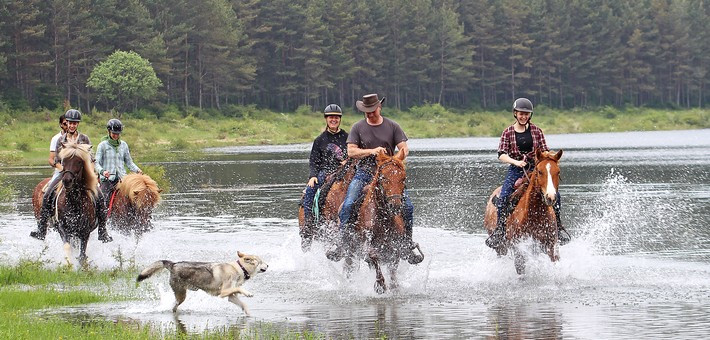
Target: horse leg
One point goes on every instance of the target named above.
(519, 262)
(379, 279)
(553, 251)
(83, 259)
(394, 284)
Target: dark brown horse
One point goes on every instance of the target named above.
(326, 226)
(533, 216)
(380, 235)
(75, 209)
(131, 207)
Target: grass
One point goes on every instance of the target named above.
(176, 138)
(29, 287)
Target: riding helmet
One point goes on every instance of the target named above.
(523, 105)
(73, 115)
(115, 126)
(332, 110)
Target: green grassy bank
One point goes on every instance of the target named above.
(29, 287)
(173, 136)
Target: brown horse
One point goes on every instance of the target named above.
(75, 209)
(534, 215)
(380, 234)
(131, 207)
(326, 226)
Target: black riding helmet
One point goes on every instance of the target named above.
(332, 110)
(115, 126)
(73, 115)
(523, 105)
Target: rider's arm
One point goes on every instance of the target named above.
(355, 152)
(507, 159)
(402, 146)
(129, 161)
(99, 159)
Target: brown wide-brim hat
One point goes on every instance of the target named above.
(369, 102)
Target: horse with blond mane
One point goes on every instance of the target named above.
(75, 203)
(132, 203)
(534, 215)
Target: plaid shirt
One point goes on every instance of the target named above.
(108, 158)
(509, 146)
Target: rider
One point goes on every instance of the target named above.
(517, 148)
(112, 158)
(328, 152)
(53, 148)
(72, 135)
(368, 137)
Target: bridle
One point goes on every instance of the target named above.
(381, 190)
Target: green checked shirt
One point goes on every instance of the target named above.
(114, 160)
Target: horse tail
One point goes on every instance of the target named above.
(156, 266)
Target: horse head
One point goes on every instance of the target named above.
(390, 181)
(78, 171)
(547, 174)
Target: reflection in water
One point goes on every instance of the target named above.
(637, 267)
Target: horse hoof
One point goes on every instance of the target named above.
(415, 259)
(37, 235)
(106, 239)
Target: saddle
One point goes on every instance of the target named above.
(520, 186)
(330, 179)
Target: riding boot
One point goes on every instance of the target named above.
(337, 252)
(44, 216)
(498, 236)
(101, 221)
(562, 234)
(411, 256)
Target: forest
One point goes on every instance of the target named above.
(282, 54)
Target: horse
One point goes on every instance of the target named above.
(75, 208)
(533, 216)
(325, 226)
(131, 207)
(379, 233)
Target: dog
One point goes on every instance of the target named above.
(217, 279)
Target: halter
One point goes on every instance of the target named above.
(380, 177)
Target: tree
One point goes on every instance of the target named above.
(124, 78)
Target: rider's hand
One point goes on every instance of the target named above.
(58, 166)
(106, 173)
(379, 149)
(312, 181)
(140, 172)
(521, 164)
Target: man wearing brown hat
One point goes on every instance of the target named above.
(368, 137)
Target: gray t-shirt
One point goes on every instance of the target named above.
(366, 136)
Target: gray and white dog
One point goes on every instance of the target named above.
(217, 279)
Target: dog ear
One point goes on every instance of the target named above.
(240, 254)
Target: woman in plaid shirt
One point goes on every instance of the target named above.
(517, 148)
(112, 158)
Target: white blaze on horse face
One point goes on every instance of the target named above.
(551, 192)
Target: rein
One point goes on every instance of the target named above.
(244, 270)
(380, 176)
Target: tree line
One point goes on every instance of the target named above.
(281, 54)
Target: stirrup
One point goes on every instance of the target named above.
(38, 235)
(413, 257)
(336, 254)
(496, 238)
(563, 236)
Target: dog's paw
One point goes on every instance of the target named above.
(247, 294)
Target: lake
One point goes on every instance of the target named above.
(637, 205)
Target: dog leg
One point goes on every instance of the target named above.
(234, 298)
(180, 294)
(234, 291)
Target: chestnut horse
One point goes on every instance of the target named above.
(325, 227)
(132, 204)
(379, 230)
(75, 209)
(534, 215)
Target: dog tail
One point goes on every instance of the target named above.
(156, 266)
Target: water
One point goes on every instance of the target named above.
(636, 204)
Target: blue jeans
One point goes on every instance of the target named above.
(513, 174)
(310, 195)
(360, 180)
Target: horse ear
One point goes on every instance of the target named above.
(382, 157)
(136, 192)
(160, 190)
(538, 154)
(400, 155)
(558, 155)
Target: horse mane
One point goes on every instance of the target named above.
(136, 183)
(382, 158)
(82, 151)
